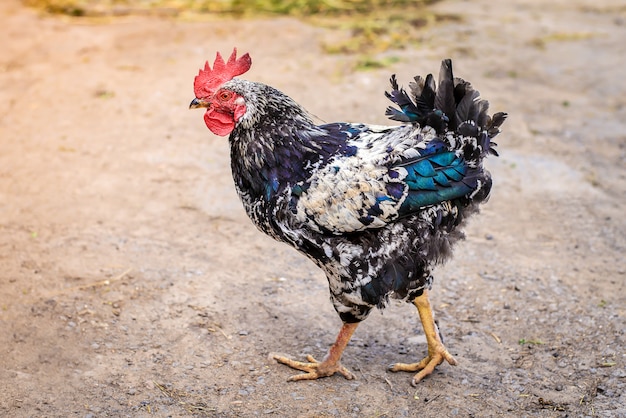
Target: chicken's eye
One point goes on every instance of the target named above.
(224, 95)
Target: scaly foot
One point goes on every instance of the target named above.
(437, 352)
(330, 365)
(436, 356)
(314, 369)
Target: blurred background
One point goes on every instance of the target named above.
(133, 284)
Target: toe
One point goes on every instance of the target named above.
(314, 369)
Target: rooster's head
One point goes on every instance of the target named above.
(224, 107)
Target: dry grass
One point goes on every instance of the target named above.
(301, 8)
(364, 27)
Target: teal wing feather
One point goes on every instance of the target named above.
(436, 176)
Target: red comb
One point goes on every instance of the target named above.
(208, 80)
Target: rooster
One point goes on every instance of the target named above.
(375, 207)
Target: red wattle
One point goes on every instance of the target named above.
(219, 123)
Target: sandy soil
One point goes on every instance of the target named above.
(132, 283)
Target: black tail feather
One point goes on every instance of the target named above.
(493, 127)
(404, 102)
(465, 96)
(426, 101)
(453, 105)
(444, 100)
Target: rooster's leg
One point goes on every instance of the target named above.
(437, 353)
(330, 365)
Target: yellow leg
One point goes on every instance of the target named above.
(330, 365)
(437, 353)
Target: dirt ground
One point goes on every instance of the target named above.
(133, 284)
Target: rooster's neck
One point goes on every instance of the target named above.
(268, 159)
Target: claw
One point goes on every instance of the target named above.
(426, 366)
(314, 369)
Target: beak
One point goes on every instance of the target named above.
(196, 103)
